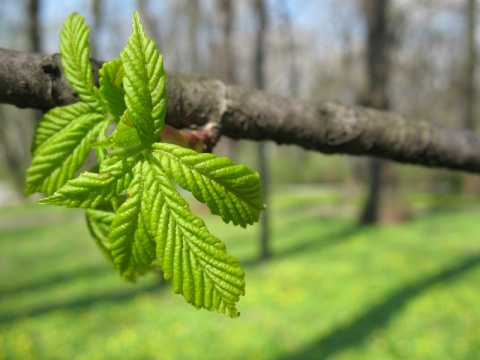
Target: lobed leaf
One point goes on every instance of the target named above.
(232, 191)
(101, 151)
(131, 245)
(75, 51)
(192, 259)
(59, 158)
(111, 88)
(125, 141)
(144, 83)
(147, 222)
(55, 120)
(91, 189)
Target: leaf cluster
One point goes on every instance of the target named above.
(134, 210)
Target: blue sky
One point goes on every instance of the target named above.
(309, 14)
(325, 19)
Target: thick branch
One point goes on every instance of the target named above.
(36, 81)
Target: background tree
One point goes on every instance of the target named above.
(470, 88)
(471, 183)
(17, 125)
(260, 12)
(151, 26)
(376, 95)
(225, 60)
(396, 292)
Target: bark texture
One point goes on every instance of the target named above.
(30, 80)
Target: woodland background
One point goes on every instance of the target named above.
(320, 284)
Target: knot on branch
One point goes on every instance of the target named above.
(342, 124)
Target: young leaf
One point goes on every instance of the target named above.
(60, 157)
(147, 223)
(144, 83)
(90, 189)
(155, 215)
(55, 120)
(194, 260)
(75, 52)
(101, 152)
(125, 141)
(232, 191)
(131, 246)
(111, 87)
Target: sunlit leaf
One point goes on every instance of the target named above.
(232, 191)
(144, 82)
(75, 51)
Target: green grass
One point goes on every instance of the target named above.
(332, 290)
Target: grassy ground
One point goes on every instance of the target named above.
(332, 290)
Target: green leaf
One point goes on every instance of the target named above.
(55, 120)
(155, 223)
(101, 151)
(91, 189)
(99, 223)
(144, 83)
(59, 158)
(193, 259)
(111, 87)
(125, 141)
(134, 212)
(131, 245)
(232, 191)
(75, 52)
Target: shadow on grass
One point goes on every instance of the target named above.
(335, 237)
(82, 303)
(54, 280)
(344, 233)
(379, 315)
(113, 296)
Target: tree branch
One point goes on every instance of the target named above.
(30, 80)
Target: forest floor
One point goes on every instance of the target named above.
(331, 290)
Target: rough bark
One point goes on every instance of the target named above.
(30, 80)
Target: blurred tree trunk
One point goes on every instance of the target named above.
(34, 30)
(193, 9)
(15, 135)
(291, 50)
(354, 174)
(378, 72)
(470, 89)
(152, 29)
(471, 183)
(259, 10)
(226, 17)
(226, 57)
(290, 54)
(97, 21)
